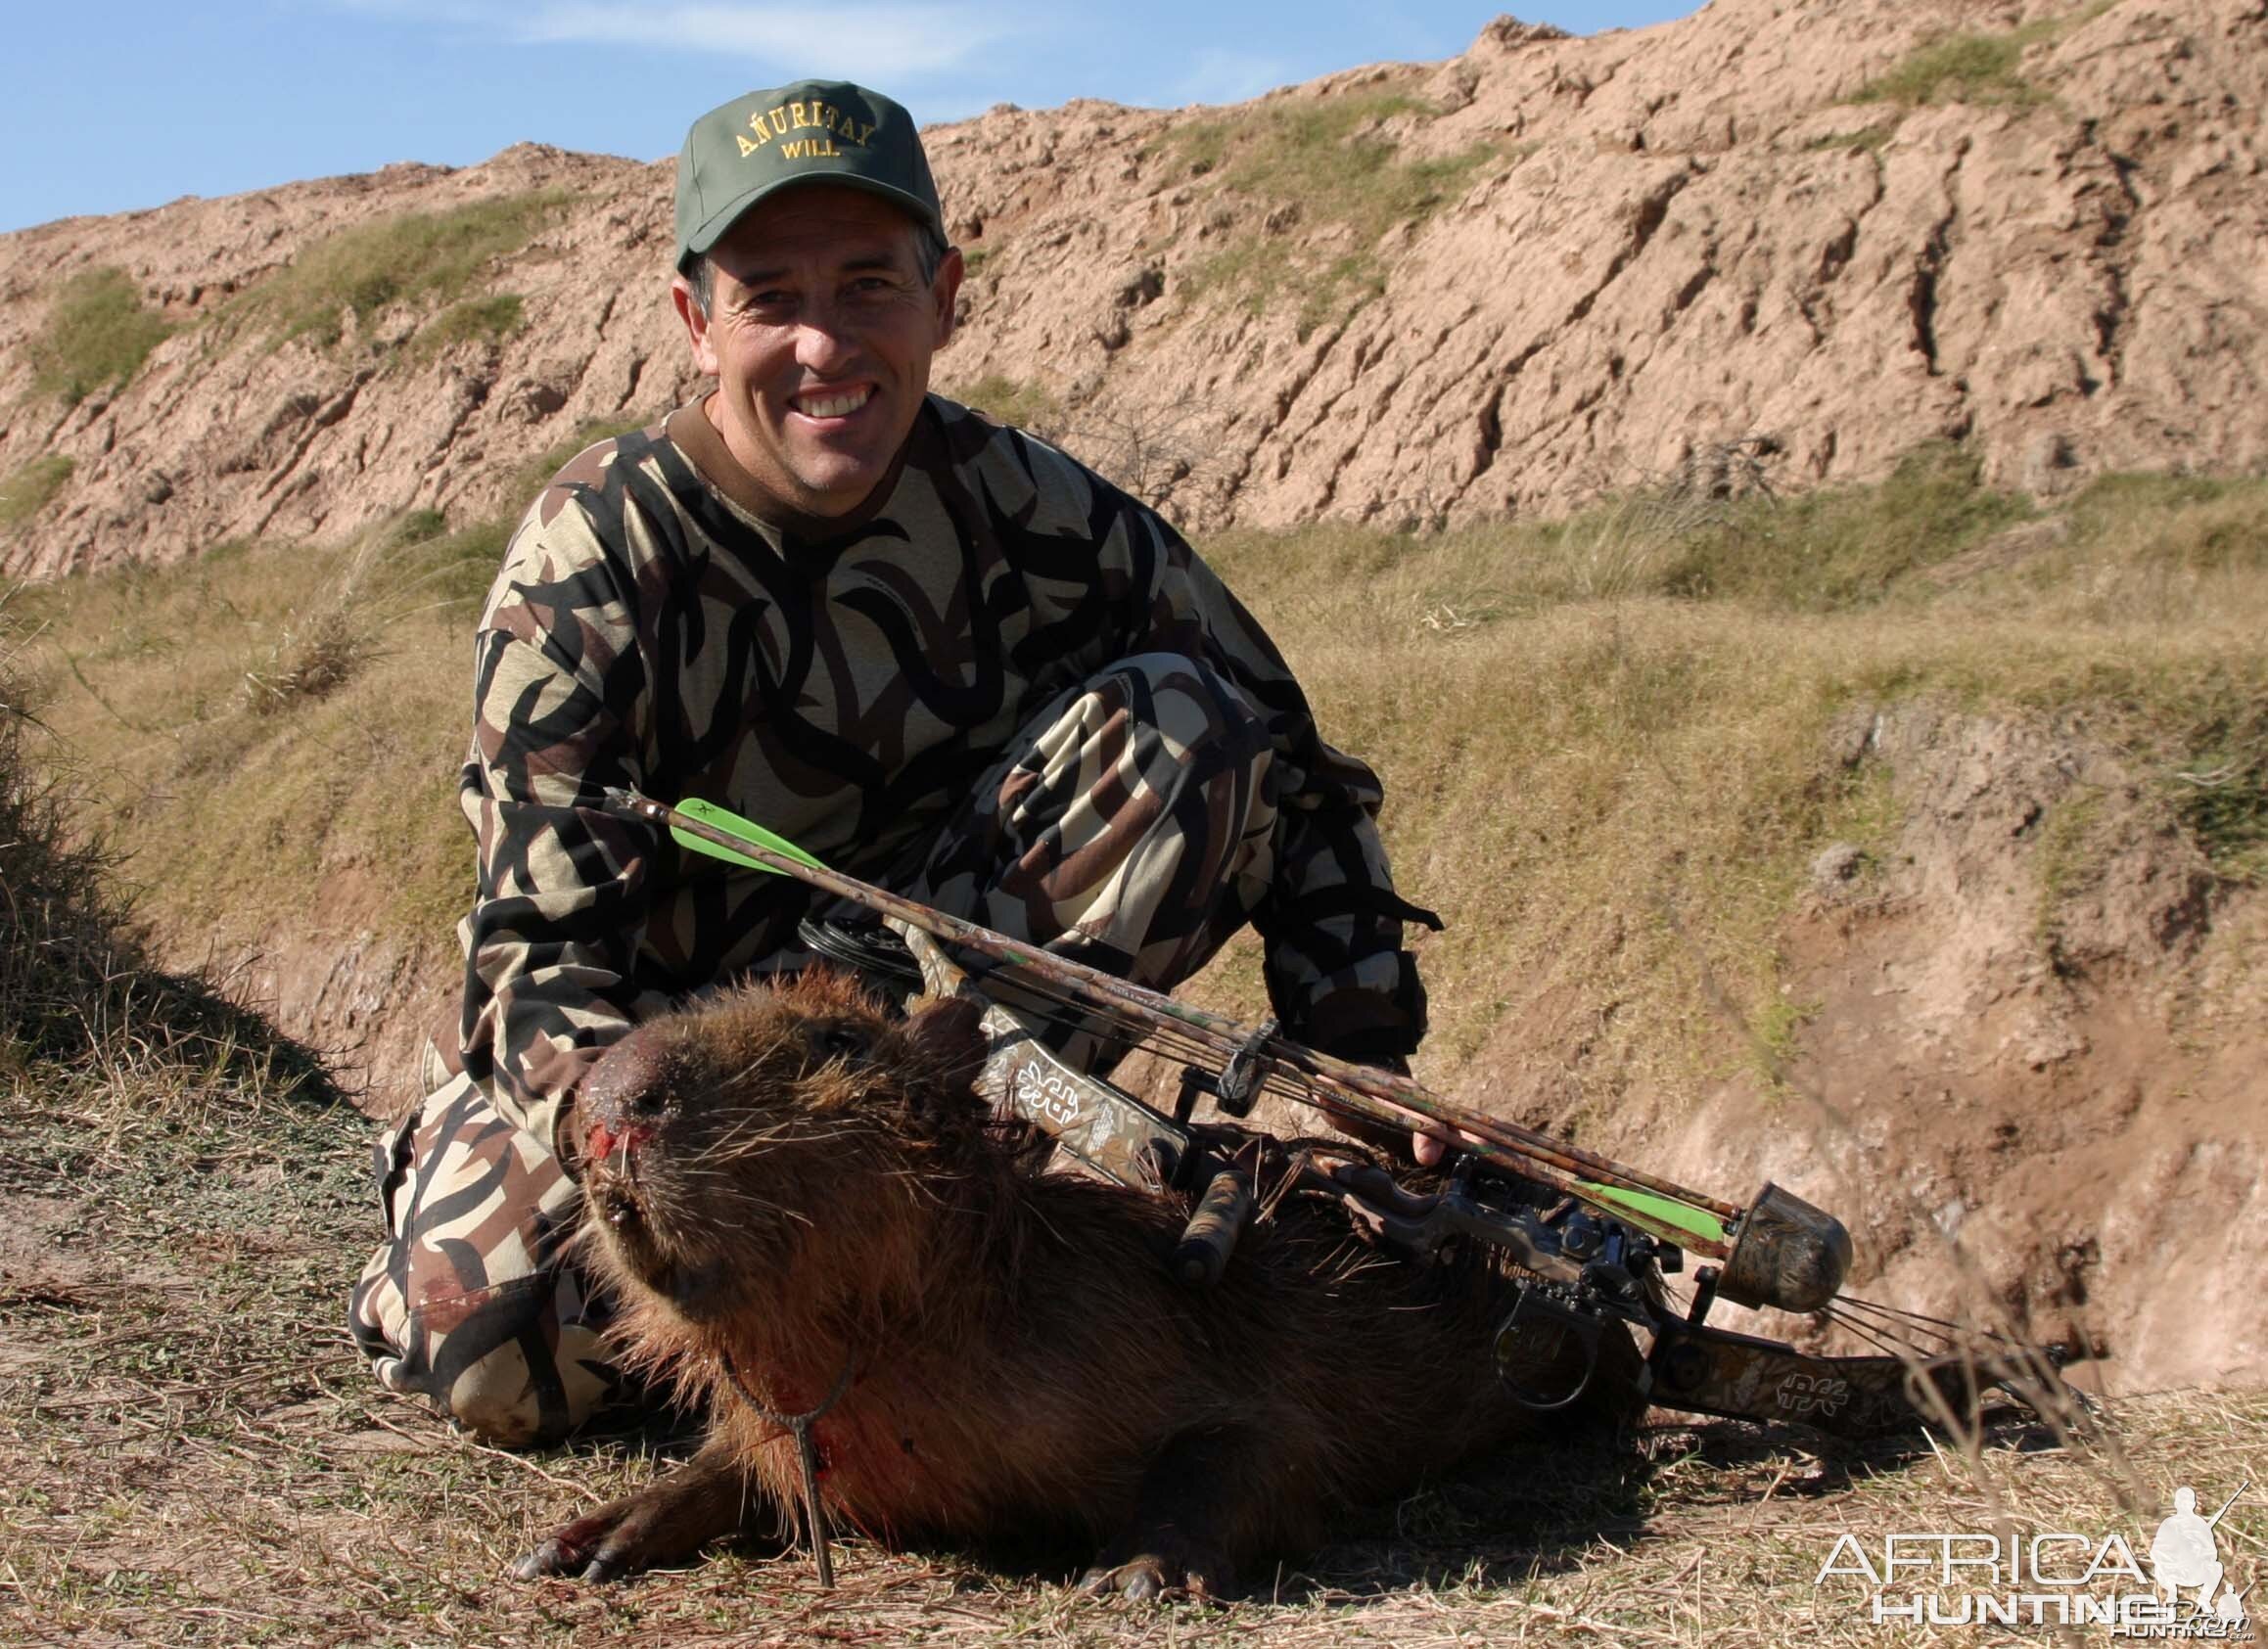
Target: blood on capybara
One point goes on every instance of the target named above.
(788, 1184)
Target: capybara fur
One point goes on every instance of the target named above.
(788, 1183)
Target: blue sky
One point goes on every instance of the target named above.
(134, 104)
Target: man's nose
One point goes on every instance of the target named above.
(824, 343)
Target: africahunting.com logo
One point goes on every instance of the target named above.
(2054, 1579)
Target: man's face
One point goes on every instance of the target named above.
(819, 333)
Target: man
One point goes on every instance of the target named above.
(936, 652)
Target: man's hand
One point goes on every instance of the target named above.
(1422, 1148)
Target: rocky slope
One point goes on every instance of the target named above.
(1804, 234)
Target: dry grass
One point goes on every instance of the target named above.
(192, 1452)
(1025, 405)
(30, 487)
(272, 726)
(1603, 738)
(1608, 771)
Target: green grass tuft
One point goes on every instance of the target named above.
(473, 320)
(1027, 405)
(96, 335)
(2219, 785)
(28, 489)
(420, 258)
(1971, 69)
(449, 568)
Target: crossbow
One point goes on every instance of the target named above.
(1592, 1241)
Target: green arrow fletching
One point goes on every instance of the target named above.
(732, 824)
(1666, 1212)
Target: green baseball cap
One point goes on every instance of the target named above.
(814, 131)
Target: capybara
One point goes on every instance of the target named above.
(796, 1194)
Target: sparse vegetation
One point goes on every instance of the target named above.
(426, 258)
(2219, 785)
(269, 719)
(78, 993)
(1601, 736)
(1326, 161)
(1968, 68)
(28, 489)
(96, 335)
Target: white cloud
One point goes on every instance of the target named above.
(881, 41)
(910, 38)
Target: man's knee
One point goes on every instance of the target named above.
(1198, 711)
(468, 1302)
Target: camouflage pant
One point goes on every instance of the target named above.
(1131, 826)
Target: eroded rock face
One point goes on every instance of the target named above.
(1662, 241)
(2026, 1076)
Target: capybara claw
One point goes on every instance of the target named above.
(553, 1557)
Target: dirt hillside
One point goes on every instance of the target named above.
(1803, 234)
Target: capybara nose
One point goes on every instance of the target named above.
(624, 1097)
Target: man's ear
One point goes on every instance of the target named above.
(945, 291)
(696, 319)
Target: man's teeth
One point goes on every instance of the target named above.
(832, 406)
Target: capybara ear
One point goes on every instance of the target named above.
(948, 1037)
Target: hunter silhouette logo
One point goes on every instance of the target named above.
(2057, 1579)
(2184, 1556)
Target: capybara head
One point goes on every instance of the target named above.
(770, 1150)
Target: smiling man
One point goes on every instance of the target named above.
(935, 652)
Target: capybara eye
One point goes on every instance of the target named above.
(840, 1042)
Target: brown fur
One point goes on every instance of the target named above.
(787, 1182)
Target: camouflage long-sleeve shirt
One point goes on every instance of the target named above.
(650, 628)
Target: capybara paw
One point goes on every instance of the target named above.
(1155, 1577)
(603, 1546)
